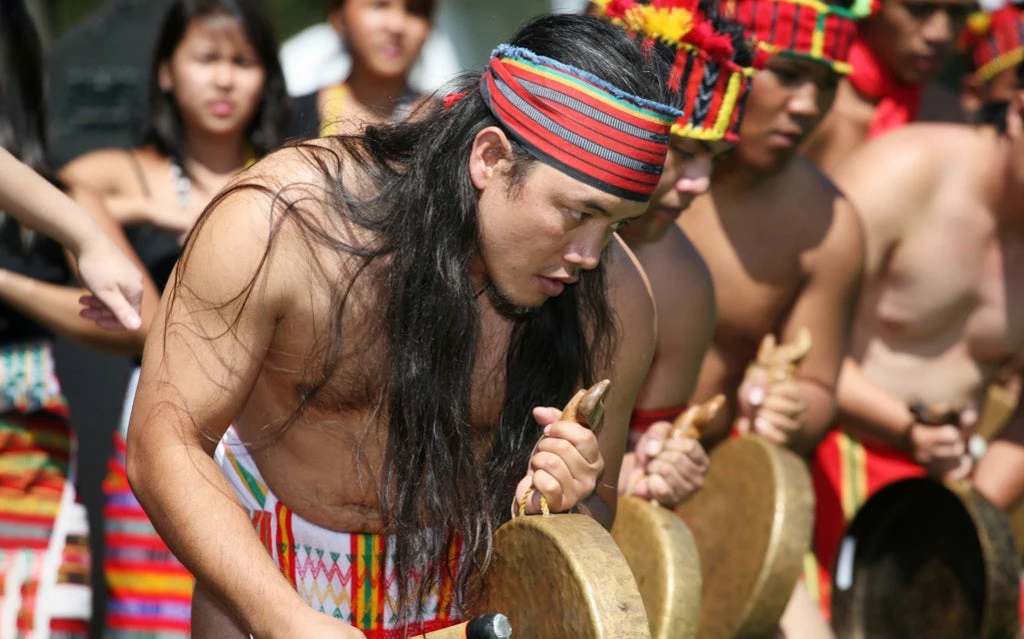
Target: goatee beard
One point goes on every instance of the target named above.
(505, 306)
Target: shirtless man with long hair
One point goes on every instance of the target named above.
(388, 320)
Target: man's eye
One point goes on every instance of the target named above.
(620, 225)
(579, 216)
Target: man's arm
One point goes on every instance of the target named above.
(889, 181)
(1000, 472)
(633, 307)
(825, 307)
(203, 357)
(663, 466)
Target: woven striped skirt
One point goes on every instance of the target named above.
(349, 576)
(44, 531)
(149, 592)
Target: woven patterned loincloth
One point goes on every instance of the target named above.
(349, 576)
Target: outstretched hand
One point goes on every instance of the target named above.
(115, 283)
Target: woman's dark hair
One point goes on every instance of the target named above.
(422, 214)
(22, 119)
(269, 125)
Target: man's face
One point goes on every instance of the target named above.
(1004, 87)
(687, 174)
(914, 38)
(537, 236)
(787, 100)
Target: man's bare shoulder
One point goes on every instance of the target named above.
(829, 215)
(277, 222)
(630, 295)
(907, 160)
(679, 277)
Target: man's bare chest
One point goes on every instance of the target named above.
(757, 276)
(957, 280)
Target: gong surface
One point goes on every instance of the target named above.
(562, 576)
(664, 559)
(752, 522)
(923, 560)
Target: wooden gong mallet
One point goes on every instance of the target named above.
(752, 520)
(660, 549)
(562, 575)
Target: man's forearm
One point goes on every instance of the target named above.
(1000, 472)
(209, 531)
(868, 409)
(597, 508)
(819, 417)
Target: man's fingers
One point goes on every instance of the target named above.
(790, 407)
(769, 431)
(580, 437)
(783, 423)
(554, 465)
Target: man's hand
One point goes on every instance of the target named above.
(941, 450)
(116, 285)
(564, 467)
(774, 410)
(665, 467)
(312, 623)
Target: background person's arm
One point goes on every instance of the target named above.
(39, 205)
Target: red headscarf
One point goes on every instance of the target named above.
(898, 103)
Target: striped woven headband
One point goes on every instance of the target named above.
(808, 29)
(712, 86)
(578, 123)
(995, 41)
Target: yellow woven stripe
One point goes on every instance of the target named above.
(141, 582)
(811, 575)
(1001, 63)
(853, 475)
(818, 39)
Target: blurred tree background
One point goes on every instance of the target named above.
(289, 16)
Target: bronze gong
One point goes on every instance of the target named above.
(562, 576)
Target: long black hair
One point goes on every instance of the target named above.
(436, 489)
(269, 125)
(22, 119)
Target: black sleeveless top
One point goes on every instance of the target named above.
(158, 250)
(41, 259)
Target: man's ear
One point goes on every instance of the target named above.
(1015, 116)
(335, 19)
(489, 157)
(163, 77)
(971, 98)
